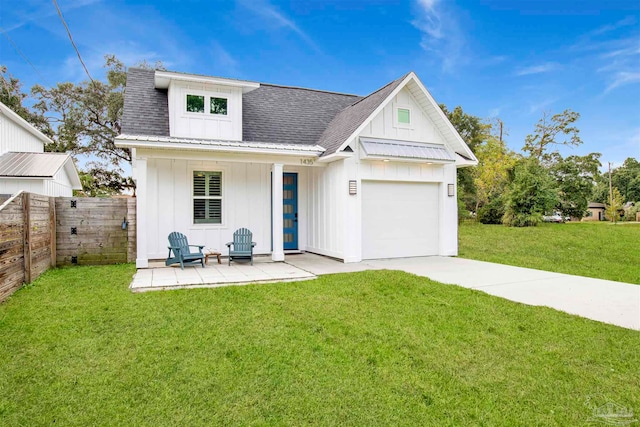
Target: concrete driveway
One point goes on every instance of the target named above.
(603, 300)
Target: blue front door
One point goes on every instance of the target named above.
(290, 210)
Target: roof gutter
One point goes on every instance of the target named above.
(217, 146)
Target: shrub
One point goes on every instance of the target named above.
(531, 194)
(492, 212)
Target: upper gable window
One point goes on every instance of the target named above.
(195, 103)
(404, 116)
(217, 105)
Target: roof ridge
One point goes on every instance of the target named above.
(382, 88)
(250, 81)
(311, 89)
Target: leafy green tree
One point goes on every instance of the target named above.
(100, 182)
(88, 115)
(575, 177)
(12, 96)
(471, 128)
(626, 178)
(614, 205)
(473, 131)
(531, 194)
(491, 176)
(558, 129)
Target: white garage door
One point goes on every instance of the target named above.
(399, 219)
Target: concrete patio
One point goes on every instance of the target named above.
(263, 270)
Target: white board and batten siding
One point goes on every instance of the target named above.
(327, 193)
(421, 129)
(14, 185)
(205, 125)
(59, 186)
(14, 137)
(246, 202)
(405, 207)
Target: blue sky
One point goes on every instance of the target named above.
(496, 58)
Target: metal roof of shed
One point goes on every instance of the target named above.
(32, 165)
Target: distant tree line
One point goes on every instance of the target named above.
(518, 189)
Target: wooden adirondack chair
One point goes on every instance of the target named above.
(242, 246)
(179, 245)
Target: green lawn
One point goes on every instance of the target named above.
(372, 348)
(600, 250)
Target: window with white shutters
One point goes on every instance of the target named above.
(207, 197)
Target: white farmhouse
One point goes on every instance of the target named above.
(25, 166)
(341, 175)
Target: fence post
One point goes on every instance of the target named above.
(52, 230)
(26, 207)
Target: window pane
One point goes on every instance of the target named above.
(215, 184)
(207, 211)
(219, 106)
(404, 116)
(199, 210)
(195, 103)
(288, 223)
(199, 182)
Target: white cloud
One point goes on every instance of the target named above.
(542, 105)
(43, 12)
(441, 34)
(624, 22)
(494, 112)
(622, 78)
(537, 69)
(223, 59)
(275, 18)
(616, 59)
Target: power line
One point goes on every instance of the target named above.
(17, 49)
(55, 3)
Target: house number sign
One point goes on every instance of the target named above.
(307, 162)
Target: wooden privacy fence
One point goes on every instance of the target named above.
(38, 232)
(90, 230)
(27, 240)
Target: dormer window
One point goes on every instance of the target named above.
(196, 103)
(218, 106)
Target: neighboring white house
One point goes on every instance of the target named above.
(341, 175)
(25, 166)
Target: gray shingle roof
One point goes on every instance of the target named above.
(288, 115)
(349, 119)
(271, 113)
(35, 165)
(146, 109)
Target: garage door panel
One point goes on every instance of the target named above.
(399, 219)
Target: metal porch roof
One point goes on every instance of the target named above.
(405, 149)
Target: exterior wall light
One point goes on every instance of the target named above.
(124, 223)
(353, 187)
(451, 190)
